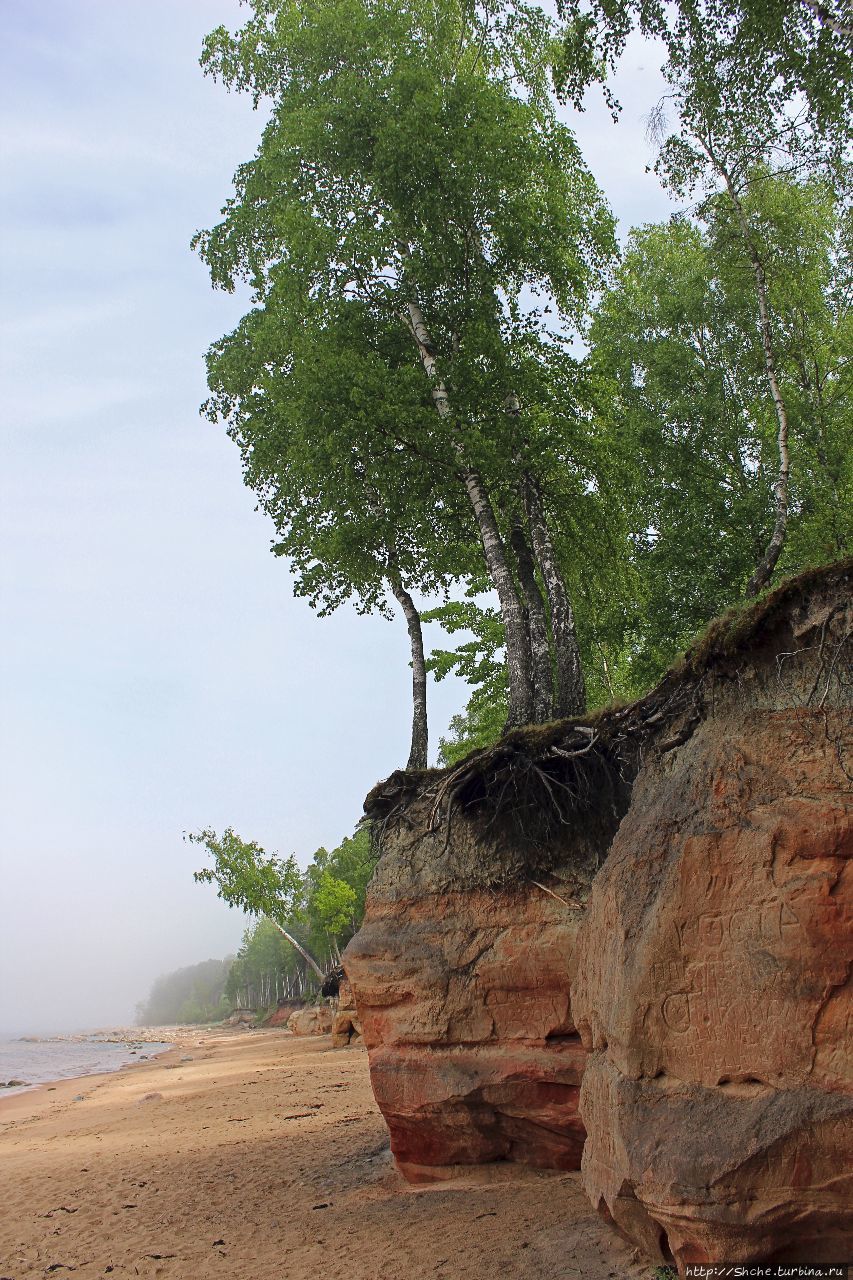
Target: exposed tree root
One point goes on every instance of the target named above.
(543, 785)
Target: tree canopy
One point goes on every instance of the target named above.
(735, 55)
(450, 387)
(414, 212)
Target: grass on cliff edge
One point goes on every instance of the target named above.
(723, 640)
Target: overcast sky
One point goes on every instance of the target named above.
(157, 676)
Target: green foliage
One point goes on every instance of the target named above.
(247, 877)
(334, 902)
(321, 908)
(479, 725)
(194, 994)
(474, 660)
(478, 662)
(677, 371)
(412, 153)
(735, 55)
(685, 434)
(267, 967)
(335, 887)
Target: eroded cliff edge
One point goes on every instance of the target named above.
(714, 980)
(665, 886)
(462, 978)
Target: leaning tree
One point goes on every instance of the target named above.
(321, 418)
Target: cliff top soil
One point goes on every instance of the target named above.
(544, 789)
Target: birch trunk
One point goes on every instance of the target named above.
(570, 688)
(298, 947)
(517, 643)
(420, 730)
(764, 569)
(543, 682)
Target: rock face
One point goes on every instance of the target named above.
(464, 1003)
(701, 989)
(346, 1028)
(315, 1021)
(462, 986)
(282, 1013)
(713, 987)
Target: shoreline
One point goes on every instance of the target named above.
(66, 1088)
(255, 1153)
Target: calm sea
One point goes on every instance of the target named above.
(44, 1060)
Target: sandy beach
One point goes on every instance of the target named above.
(264, 1157)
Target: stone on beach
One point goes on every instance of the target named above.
(346, 1028)
(314, 1021)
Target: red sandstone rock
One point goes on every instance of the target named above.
(464, 1004)
(713, 986)
(281, 1015)
(314, 1021)
(346, 1027)
(714, 964)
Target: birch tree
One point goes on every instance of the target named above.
(732, 152)
(677, 369)
(413, 167)
(260, 884)
(779, 50)
(323, 420)
(757, 85)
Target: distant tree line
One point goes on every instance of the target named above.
(303, 921)
(197, 993)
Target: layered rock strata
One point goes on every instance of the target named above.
(709, 981)
(713, 988)
(462, 985)
(464, 1003)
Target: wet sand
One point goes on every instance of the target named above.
(264, 1158)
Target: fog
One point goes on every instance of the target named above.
(157, 676)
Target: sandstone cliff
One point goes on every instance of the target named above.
(462, 977)
(714, 980)
(709, 980)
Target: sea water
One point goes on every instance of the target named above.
(38, 1061)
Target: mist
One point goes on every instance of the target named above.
(156, 674)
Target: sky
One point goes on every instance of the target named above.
(156, 675)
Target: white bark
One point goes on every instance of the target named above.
(570, 691)
(298, 946)
(517, 645)
(764, 569)
(420, 730)
(543, 691)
